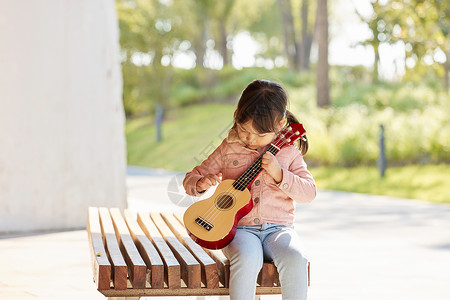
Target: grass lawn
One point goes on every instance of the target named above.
(190, 134)
(424, 182)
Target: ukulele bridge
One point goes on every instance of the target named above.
(205, 224)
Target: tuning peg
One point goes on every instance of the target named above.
(297, 132)
(289, 128)
(288, 140)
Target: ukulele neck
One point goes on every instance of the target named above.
(247, 178)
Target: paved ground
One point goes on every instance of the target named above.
(361, 247)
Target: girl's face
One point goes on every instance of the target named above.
(253, 139)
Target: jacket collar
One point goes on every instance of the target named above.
(233, 137)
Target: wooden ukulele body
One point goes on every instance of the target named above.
(212, 222)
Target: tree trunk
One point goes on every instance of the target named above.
(200, 49)
(305, 47)
(323, 93)
(223, 43)
(376, 75)
(446, 71)
(291, 47)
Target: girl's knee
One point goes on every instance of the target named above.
(247, 260)
(292, 258)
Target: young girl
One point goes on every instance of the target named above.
(266, 232)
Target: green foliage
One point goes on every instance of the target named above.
(428, 182)
(422, 26)
(417, 127)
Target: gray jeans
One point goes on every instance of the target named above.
(254, 244)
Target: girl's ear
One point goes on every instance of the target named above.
(283, 123)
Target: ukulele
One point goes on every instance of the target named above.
(212, 222)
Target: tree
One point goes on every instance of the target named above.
(375, 24)
(291, 47)
(148, 32)
(422, 26)
(224, 13)
(297, 47)
(322, 84)
(306, 37)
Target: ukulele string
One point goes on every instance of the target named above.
(255, 168)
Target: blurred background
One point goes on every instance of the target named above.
(348, 66)
(88, 88)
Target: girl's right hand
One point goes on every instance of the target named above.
(207, 181)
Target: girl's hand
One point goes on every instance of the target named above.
(207, 181)
(271, 165)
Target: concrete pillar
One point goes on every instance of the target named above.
(62, 145)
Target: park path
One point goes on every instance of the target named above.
(361, 247)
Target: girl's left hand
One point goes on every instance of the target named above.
(271, 165)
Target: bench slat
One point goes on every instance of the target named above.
(101, 267)
(136, 265)
(119, 273)
(222, 263)
(190, 267)
(210, 276)
(172, 267)
(147, 251)
(266, 277)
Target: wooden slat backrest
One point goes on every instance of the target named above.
(119, 273)
(171, 265)
(101, 267)
(210, 277)
(147, 251)
(137, 269)
(190, 268)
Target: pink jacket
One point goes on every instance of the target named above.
(272, 202)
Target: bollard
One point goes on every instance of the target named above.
(382, 156)
(159, 116)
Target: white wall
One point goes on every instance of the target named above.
(62, 145)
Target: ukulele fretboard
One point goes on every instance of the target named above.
(250, 174)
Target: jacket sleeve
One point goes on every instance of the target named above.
(297, 182)
(211, 165)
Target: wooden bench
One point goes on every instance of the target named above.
(136, 255)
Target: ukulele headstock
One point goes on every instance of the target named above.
(289, 135)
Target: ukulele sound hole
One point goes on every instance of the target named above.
(225, 202)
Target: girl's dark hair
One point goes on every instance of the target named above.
(265, 103)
